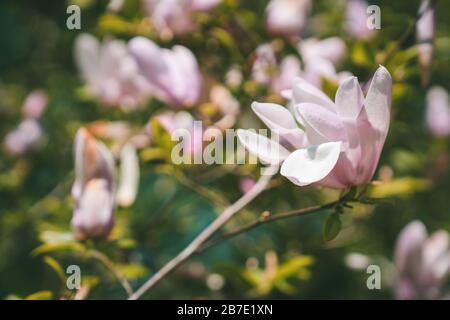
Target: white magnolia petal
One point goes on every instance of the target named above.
(378, 100)
(274, 116)
(349, 99)
(409, 241)
(306, 166)
(129, 176)
(306, 92)
(265, 149)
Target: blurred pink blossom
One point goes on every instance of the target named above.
(422, 262)
(320, 58)
(110, 72)
(287, 17)
(266, 71)
(356, 19)
(341, 142)
(246, 184)
(438, 111)
(22, 139)
(174, 17)
(425, 35)
(172, 74)
(93, 189)
(190, 131)
(35, 104)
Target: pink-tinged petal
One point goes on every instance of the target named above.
(321, 124)
(409, 244)
(435, 247)
(438, 111)
(378, 101)
(92, 159)
(349, 99)
(306, 166)
(405, 290)
(343, 174)
(93, 216)
(35, 104)
(267, 150)
(280, 120)
(129, 176)
(305, 92)
(188, 68)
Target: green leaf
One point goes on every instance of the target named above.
(40, 295)
(332, 227)
(52, 263)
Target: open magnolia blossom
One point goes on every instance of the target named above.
(93, 189)
(336, 144)
(173, 74)
(422, 262)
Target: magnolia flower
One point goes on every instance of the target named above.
(93, 189)
(320, 58)
(287, 17)
(110, 72)
(438, 111)
(422, 262)
(425, 34)
(356, 19)
(175, 16)
(173, 75)
(340, 143)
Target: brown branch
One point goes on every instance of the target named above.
(267, 218)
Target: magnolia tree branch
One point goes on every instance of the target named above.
(226, 215)
(267, 218)
(110, 265)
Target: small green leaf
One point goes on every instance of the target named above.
(332, 227)
(40, 295)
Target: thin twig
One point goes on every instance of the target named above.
(226, 215)
(267, 218)
(110, 266)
